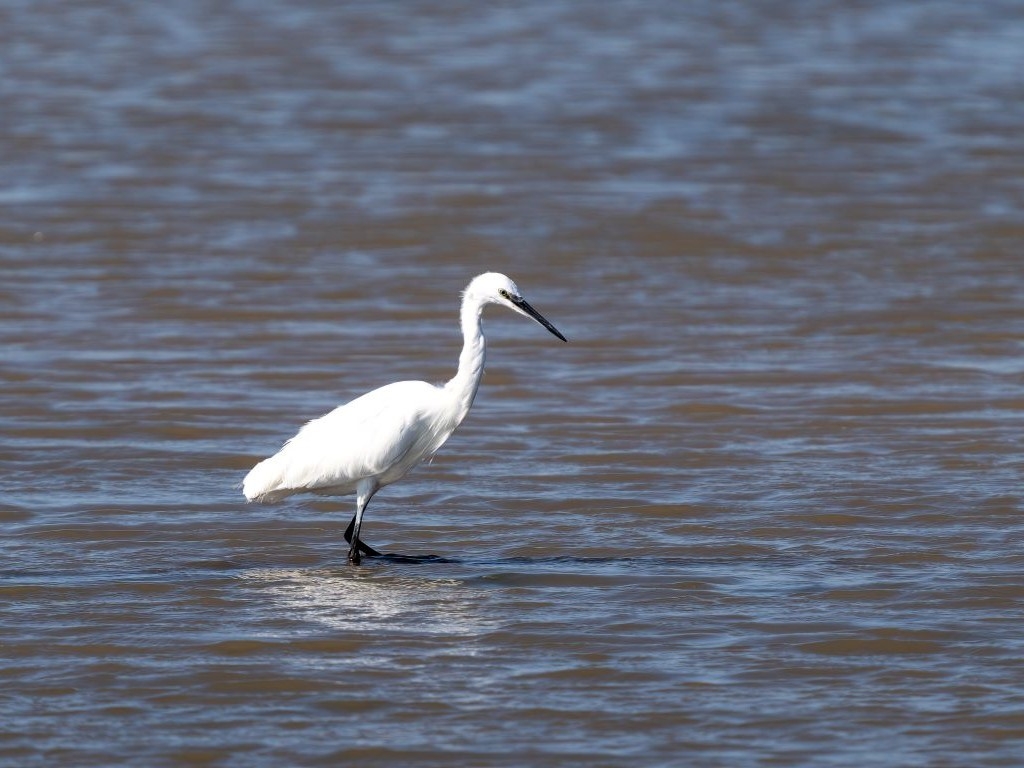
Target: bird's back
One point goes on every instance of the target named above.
(381, 435)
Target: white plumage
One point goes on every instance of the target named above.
(374, 440)
(372, 436)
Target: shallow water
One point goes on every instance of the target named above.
(764, 509)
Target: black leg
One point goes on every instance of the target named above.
(363, 547)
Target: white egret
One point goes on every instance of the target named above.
(374, 440)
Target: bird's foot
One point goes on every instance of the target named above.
(369, 551)
(365, 548)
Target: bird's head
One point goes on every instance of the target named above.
(496, 288)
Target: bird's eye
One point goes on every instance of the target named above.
(504, 294)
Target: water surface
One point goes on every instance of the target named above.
(764, 509)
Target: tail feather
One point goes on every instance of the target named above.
(264, 483)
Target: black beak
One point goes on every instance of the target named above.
(524, 305)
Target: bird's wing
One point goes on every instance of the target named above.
(363, 438)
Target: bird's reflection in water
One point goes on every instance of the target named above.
(363, 601)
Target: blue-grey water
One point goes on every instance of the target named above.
(763, 510)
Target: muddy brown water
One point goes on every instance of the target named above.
(764, 509)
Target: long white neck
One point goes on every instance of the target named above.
(466, 382)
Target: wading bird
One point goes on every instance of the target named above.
(374, 440)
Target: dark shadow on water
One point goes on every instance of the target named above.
(393, 557)
(633, 560)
